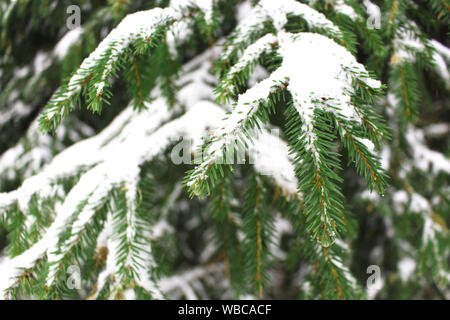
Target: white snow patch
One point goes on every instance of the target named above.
(406, 268)
(341, 7)
(63, 46)
(423, 157)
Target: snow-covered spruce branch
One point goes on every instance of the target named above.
(313, 99)
(277, 14)
(95, 185)
(134, 36)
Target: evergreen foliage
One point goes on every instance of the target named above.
(318, 146)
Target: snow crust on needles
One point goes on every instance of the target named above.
(319, 68)
(316, 68)
(277, 13)
(139, 24)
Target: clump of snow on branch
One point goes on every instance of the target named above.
(315, 68)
